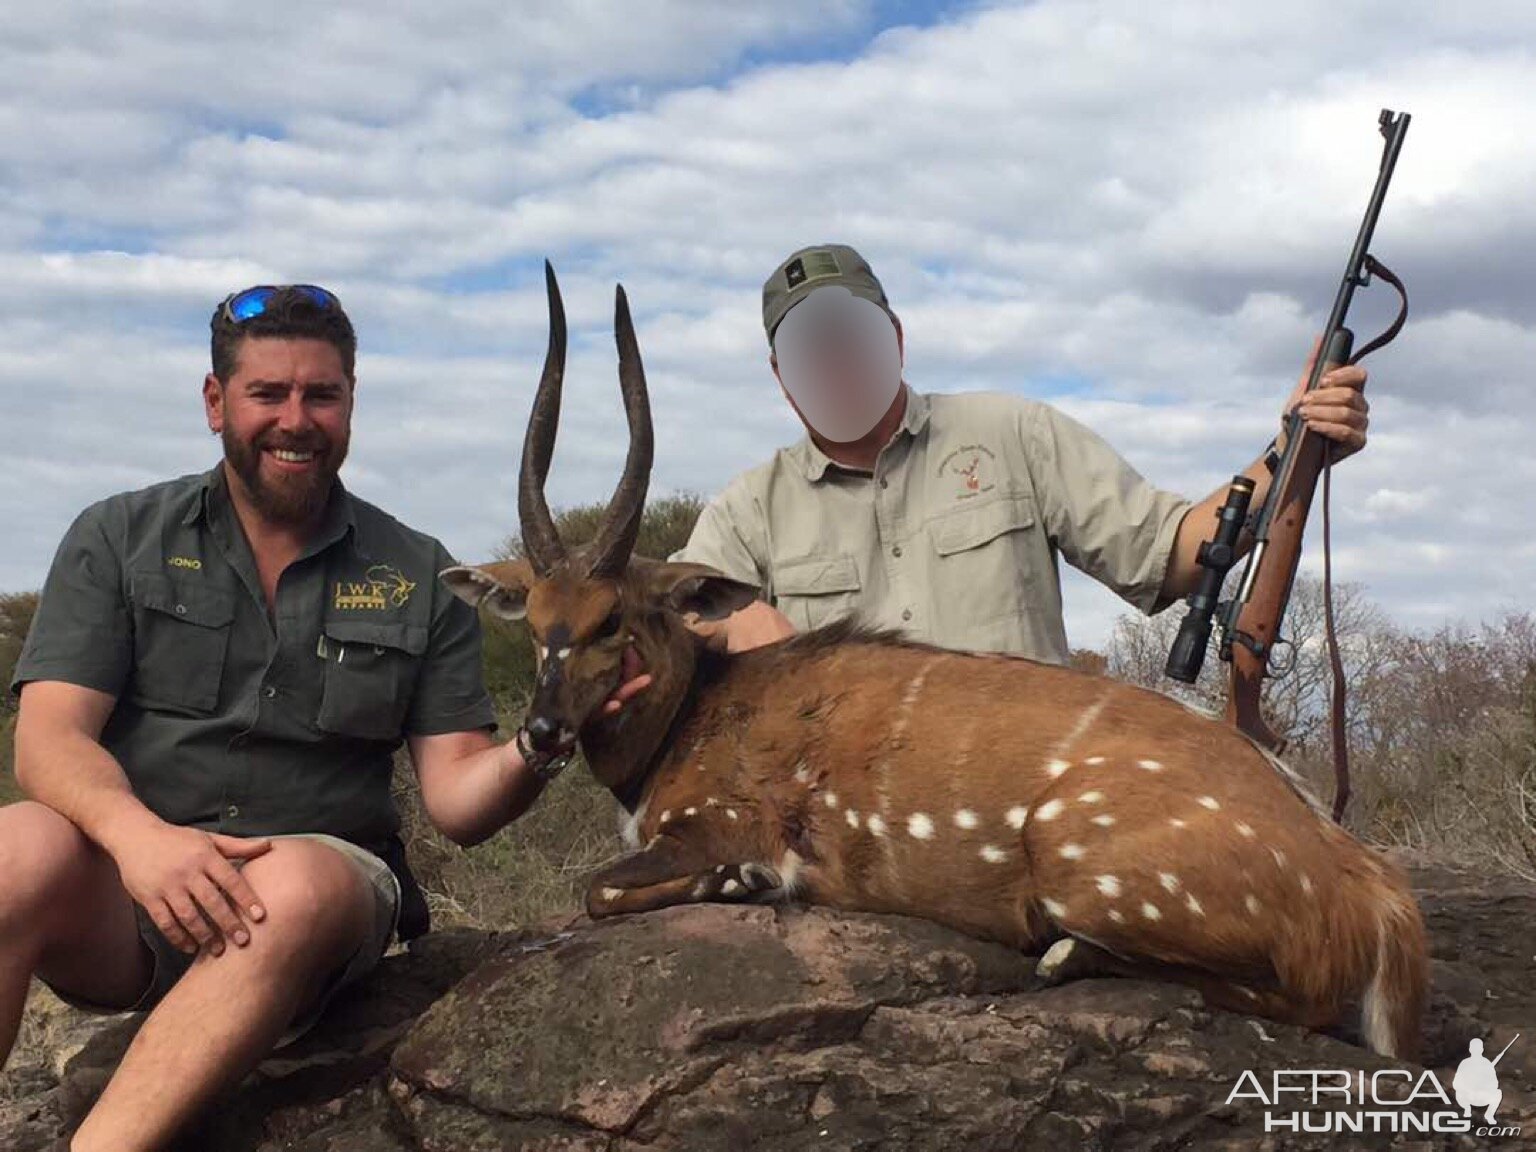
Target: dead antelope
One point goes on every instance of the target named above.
(1010, 799)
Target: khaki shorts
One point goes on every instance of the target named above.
(170, 963)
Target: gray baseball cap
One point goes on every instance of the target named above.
(812, 268)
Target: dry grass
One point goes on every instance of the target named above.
(533, 869)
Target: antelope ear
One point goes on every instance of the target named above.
(502, 588)
(698, 588)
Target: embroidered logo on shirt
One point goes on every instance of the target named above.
(185, 562)
(970, 468)
(383, 586)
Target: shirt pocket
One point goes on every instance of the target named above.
(370, 673)
(816, 590)
(982, 571)
(180, 638)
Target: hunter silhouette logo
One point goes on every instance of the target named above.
(382, 587)
(1476, 1082)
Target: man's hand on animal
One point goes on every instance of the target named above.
(636, 680)
(757, 624)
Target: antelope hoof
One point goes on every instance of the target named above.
(759, 877)
(1062, 961)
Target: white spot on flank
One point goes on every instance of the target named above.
(1177, 823)
(1104, 821)
(1150, 765)
(730, 887)
(965, 818)
(1279, 857)
(1169, 881)
(1072, 851)
(920, 826)
(1251, 902)
(1094, 760)
(1049, 810)
(1091, 797)
(829, 799)
(690, 811)
(731, 812)
(666, 815)
(612, 893)
(992, 854)
(563, 653)
(1109, 885)
(852, 817)
(1117, 916)
(1193, 905)
(802, 771)
(1208, 802)
(876, 825)
(1056, 767)
(1016, 817)
(1306, 884)
(1150, 912)
(1246, 830)
(1054, 907)
(711, 802)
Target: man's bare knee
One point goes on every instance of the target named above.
(45, 863)
(319, 907)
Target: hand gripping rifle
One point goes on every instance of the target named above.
(1249, 623)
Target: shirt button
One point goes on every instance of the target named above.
(906, 613)
(884, 483)
(896, 551)
(232, 811)
(181, 609)
(269, 691)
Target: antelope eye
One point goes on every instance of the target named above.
(609, 627)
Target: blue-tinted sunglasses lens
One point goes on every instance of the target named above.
(318, 295)
(251, 302)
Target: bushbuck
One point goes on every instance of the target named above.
(1106, 825)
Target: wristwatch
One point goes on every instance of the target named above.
(545, 765)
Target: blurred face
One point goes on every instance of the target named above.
(839, 358)
(285, 416)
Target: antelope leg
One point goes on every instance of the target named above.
(673, 872)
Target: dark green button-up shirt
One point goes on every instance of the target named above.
(237, 720)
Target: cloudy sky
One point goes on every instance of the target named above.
(1138, 212)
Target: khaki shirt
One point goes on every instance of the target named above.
(954, 538)
(233, 720)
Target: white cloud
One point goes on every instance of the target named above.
(1142, 211)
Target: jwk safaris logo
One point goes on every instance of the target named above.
(1387, 1100)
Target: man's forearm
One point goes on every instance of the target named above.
(485, 791)
(83, 782)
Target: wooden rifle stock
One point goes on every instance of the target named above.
(1257, 628)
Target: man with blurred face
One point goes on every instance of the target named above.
(218, 674)
(943, 515)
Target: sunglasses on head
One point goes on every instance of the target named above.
(239, 307)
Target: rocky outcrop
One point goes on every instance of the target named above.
(751, 1027)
